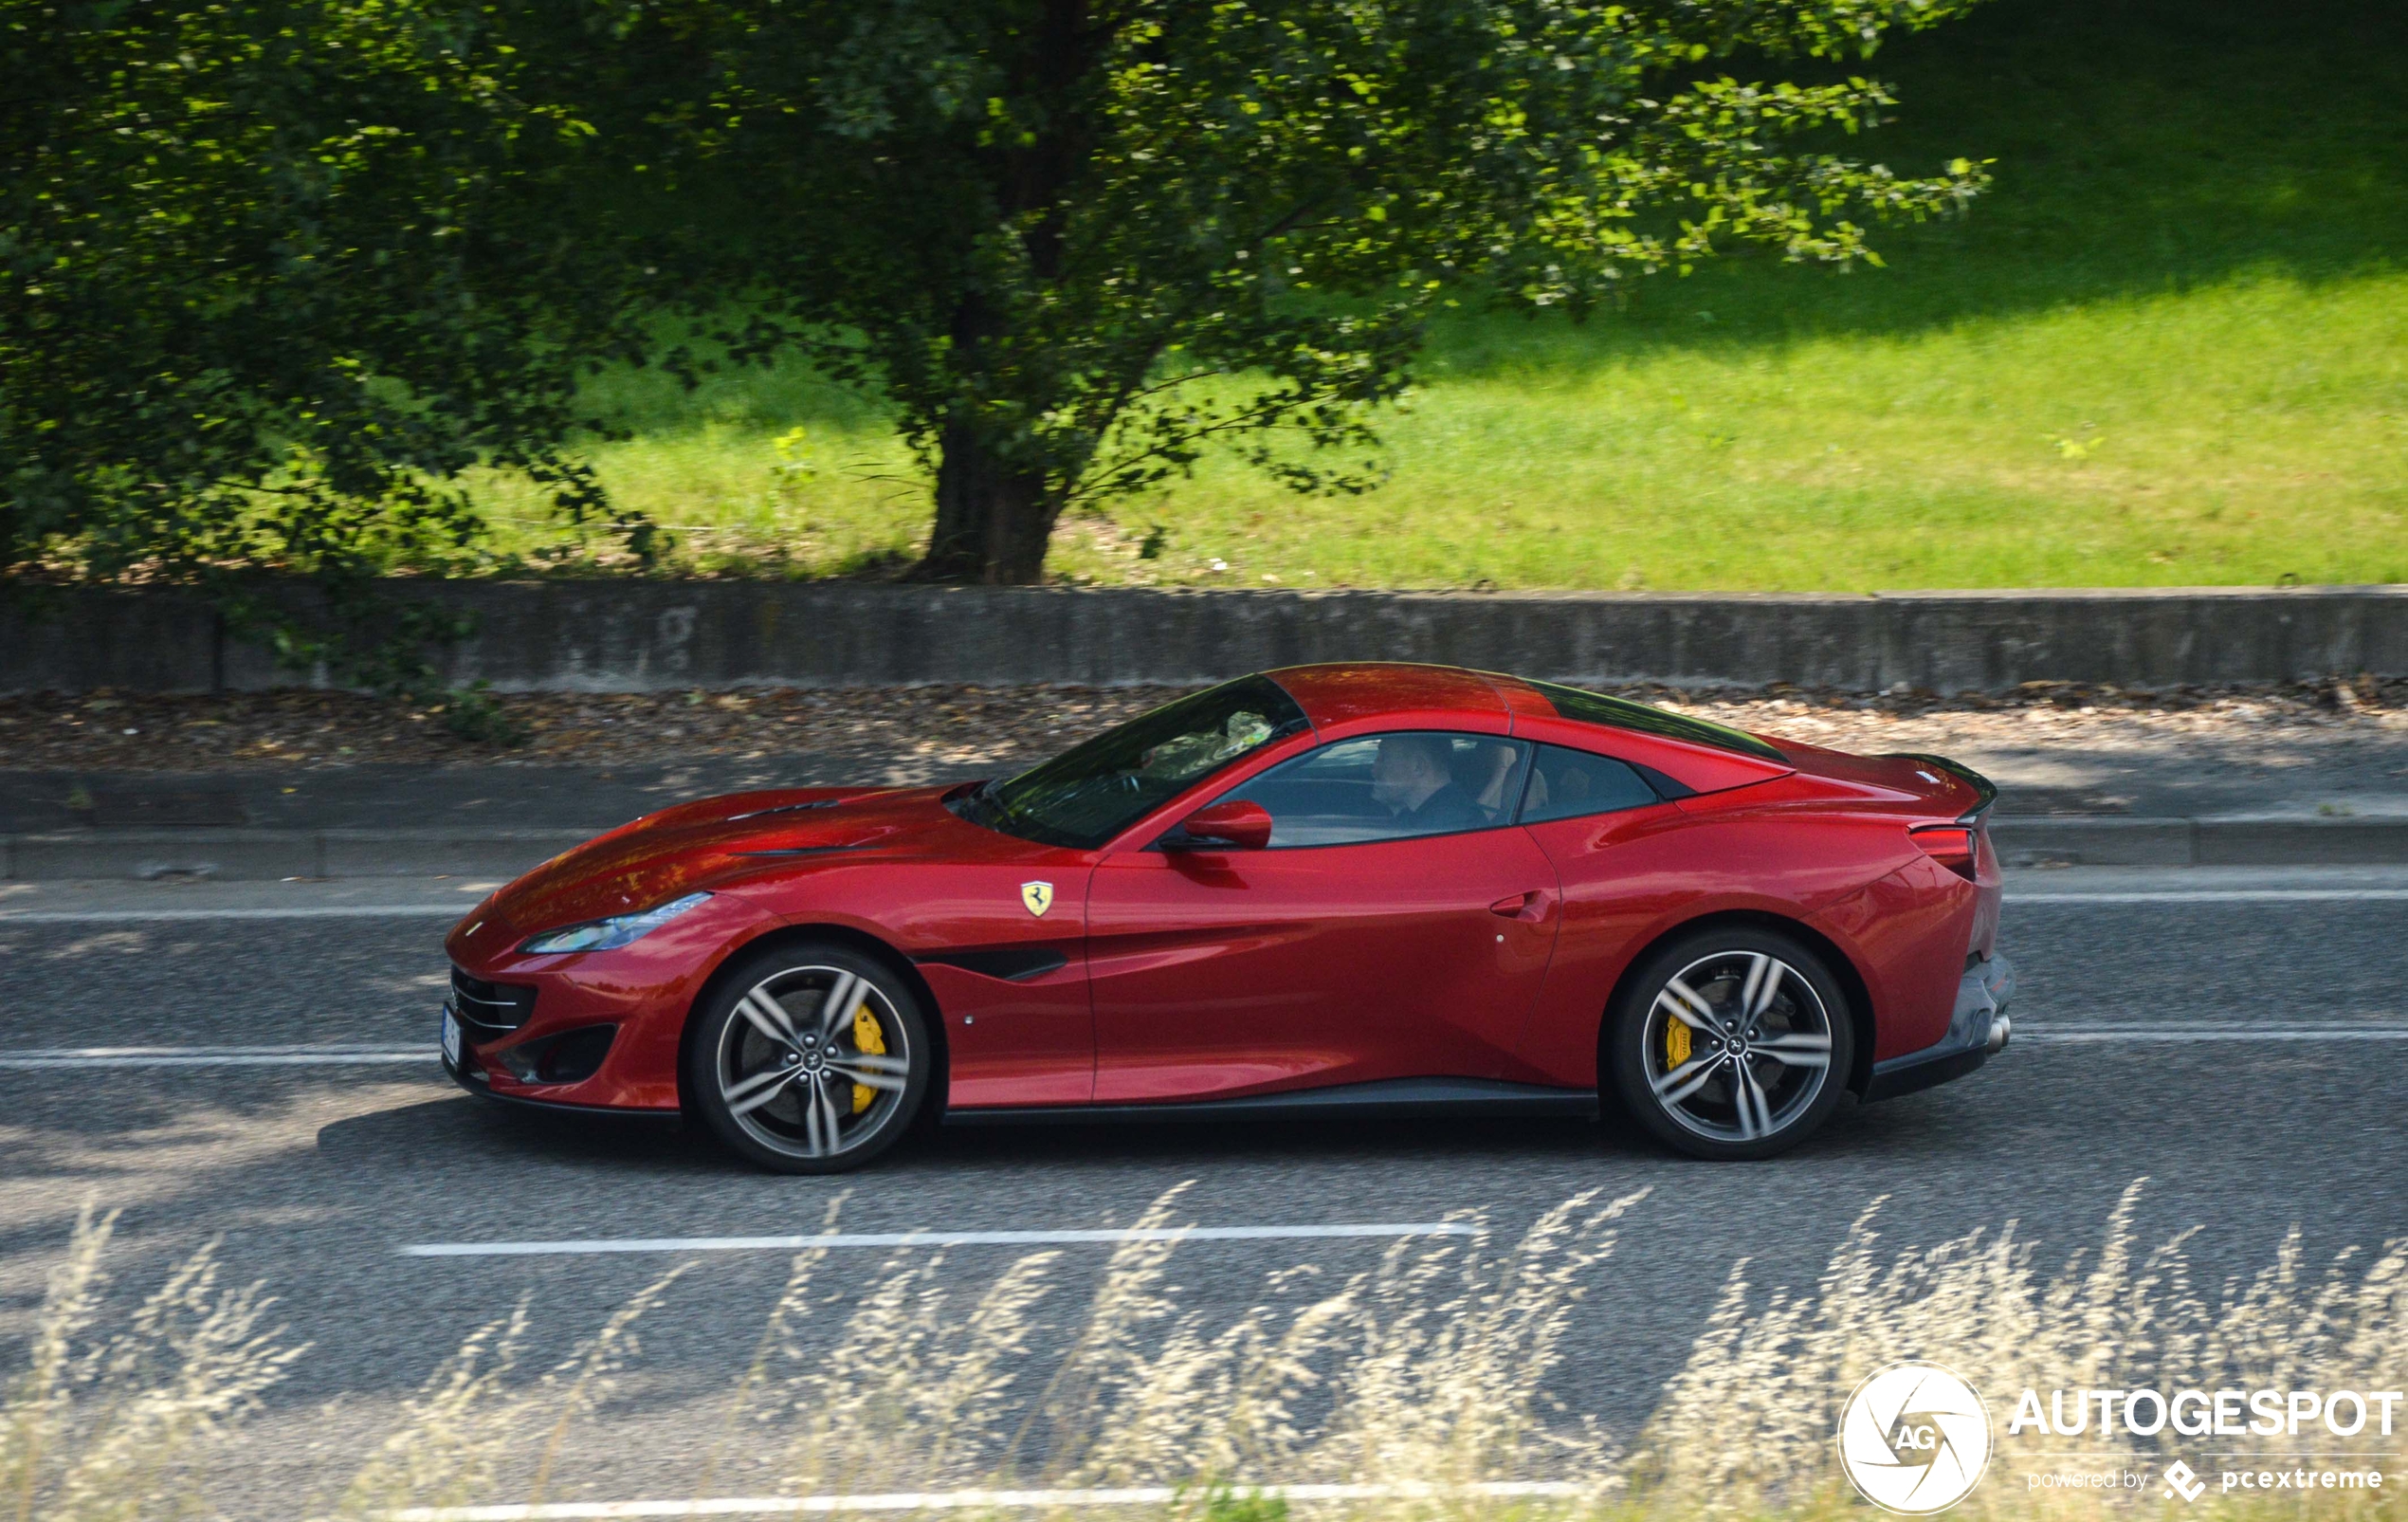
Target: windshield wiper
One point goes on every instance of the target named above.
(981, 805)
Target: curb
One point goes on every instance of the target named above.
(2223, 841)
(269, 855)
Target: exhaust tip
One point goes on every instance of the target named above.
(2000, 1028)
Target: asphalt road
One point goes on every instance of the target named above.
(2145, 1048)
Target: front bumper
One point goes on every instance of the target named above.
(472, 1078)
(641, 992)
(1977, 1029)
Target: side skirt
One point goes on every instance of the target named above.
(1918, 1071)
(1380, 1099)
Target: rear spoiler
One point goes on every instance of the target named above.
(1981, 784)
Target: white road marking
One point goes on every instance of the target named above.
(297, 911)
(209, 1057)
(2197, 1030)
(961, 1501)
(2214, 895)
(933, 1238)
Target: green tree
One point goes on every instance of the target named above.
(272, 274)
(1076, 241)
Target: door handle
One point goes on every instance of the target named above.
(1529, 907)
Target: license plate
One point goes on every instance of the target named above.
(450, 1038)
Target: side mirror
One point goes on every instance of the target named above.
(1238, 823)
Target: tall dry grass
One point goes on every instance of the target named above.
(1427, 1373)
(118, 1425)
(1749, 1423)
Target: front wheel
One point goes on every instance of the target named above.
(1732, 1043)
(810, 1060)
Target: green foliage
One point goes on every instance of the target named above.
(272, 274)
(1224, 1504)
(1074, 246)
(2193, 255)
(269, 282)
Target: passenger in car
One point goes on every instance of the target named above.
(1412, 778)
(1482, 769)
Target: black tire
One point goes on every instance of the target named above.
(792, 1105)
(1704, 1076)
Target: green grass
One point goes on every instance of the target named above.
(2170, 348)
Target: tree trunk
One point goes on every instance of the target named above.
(991, 521)
(994, 519)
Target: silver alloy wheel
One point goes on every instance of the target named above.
(792, 1065)
(1737, 1046)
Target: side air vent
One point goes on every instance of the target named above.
(1013, 964)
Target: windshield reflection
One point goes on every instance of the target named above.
(1086, 796)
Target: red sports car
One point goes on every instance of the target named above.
(1368, 889)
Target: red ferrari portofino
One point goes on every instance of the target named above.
(1363, 890)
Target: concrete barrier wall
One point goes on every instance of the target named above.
(637, 636)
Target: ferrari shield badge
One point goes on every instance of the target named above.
(1038, 896)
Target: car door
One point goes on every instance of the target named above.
(1623, 861)
(1364, 943)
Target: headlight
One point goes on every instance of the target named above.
(609, 935)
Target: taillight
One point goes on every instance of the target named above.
(1951, 845)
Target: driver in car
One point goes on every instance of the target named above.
(1413, 779)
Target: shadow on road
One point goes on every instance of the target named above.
(461, 1126)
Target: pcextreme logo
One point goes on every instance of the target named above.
(2182, 1481)
(1914, 1438)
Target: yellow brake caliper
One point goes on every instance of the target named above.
(870, 1039)
(1676, 1044)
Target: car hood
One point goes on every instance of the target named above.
(693, 846)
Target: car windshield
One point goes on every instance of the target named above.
(1088, 795)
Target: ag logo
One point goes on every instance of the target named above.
(1914, 1438)
(1038, 896)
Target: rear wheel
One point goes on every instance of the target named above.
(810, 1060)
(1732, 1043)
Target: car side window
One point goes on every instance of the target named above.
(1390, 787)
(1566, 783)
